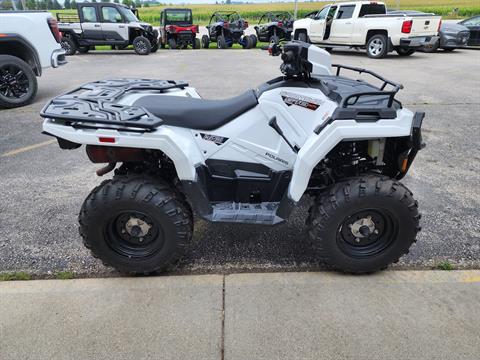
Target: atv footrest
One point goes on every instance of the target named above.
(261, 213)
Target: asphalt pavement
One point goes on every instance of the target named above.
(43, 187)
(392, 315)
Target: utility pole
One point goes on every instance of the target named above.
(295, 10)
(398, 4)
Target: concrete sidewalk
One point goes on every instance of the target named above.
(390, 315)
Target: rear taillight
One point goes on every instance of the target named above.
(196, 29)
(439, 25)
(53, 25)
(107, 154)
(172, 28)
(246, 24)
(407, 26)
(280, 24)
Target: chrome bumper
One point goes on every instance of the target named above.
(418, 41)
(58, 58)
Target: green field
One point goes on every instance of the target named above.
(252, 12)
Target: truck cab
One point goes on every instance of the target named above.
(354, 24)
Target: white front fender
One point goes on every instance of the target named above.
(317, 146)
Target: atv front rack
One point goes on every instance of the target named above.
(352, 99)
(94, 104)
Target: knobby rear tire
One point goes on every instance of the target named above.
(170, 216)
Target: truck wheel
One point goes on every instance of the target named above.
(254, 40)
(274, 39)
(135, 224)
(83, 49)
(68, 45)
(18, 84)
(155, 48)
(205, 41)
(221, 44)
(377, 46)
(142, 45)
(364, 224)
(303, 37)
(404, 52)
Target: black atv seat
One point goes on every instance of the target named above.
(195, 113)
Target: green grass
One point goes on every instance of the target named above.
(64, 275)
(445, 265)
(18, 275)
(253, 12)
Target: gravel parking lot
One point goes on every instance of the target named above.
(43, 187)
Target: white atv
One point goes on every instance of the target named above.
(246, 160)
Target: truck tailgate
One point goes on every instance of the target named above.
(425, 25)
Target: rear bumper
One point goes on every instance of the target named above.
(58, 58)
(418, 41)
(415, 144)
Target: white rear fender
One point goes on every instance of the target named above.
(176, 143)
(317, 146)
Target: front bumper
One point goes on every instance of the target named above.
(459, 40)
(418, 41)
(58, 58)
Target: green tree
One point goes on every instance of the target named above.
(31, 5)
(116, 1)
(49, 5)
(73, 4)
(56, 5)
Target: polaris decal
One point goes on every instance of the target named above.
(299, 100)
(274, 157)
(218, 140)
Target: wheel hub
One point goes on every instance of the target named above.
(137, 228)
(363, 227)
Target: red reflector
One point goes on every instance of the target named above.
(106, 139)
(53, 24)
(407, 26)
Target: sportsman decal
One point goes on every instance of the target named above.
(218, 140)
(299, 100)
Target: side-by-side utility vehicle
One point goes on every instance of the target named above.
(274, 27)
(226, 28)
(177, 29)
(312, 132)
(105, 24)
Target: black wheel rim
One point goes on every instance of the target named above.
(14, 83)
(141, 46)
(66, 46)
(134, 234)
(367, 232)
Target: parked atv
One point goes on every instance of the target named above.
(105, 24)
(274, 27)
(246, 160)
(226, 28)
(177, 29)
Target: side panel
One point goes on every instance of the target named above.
(318, 146)
(34, 28)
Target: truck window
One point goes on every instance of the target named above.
(331, 13)
(89, 14)
(322, 14)
(111, 15)
(372, 9)
(345, 12)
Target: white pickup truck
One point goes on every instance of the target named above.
(366, 24)
(29, 43)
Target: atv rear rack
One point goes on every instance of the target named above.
(93, 104)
